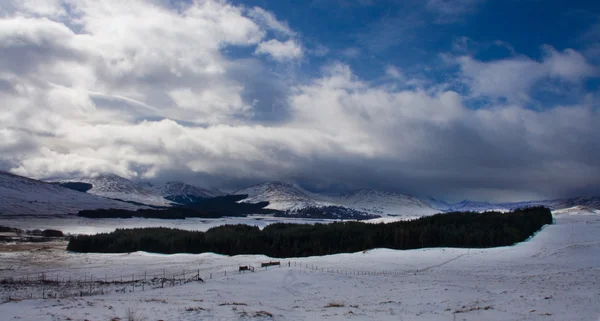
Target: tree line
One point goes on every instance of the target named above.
(457, 229)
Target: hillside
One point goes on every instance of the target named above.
(24, 196)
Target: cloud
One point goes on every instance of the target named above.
(145, 90)
(391, 30)
(513, 78)
(343, 3)
(449, 11)
(280, 51)
(393, 72)
(268, 19)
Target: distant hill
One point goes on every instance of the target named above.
(117, 187)
(24, 196)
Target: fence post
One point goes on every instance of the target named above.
(133, 282)
(210, 275)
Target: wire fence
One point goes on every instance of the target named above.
(62, 285)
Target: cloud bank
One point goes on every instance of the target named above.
(148, 90)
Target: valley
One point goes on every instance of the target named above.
(553, 276)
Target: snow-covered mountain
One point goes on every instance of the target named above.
(182, 193)
(474, 206)
(385, 203)
(117, 187)
(582, 202)
(282, 196)
(579, 202)
(24, 196)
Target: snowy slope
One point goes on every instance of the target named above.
(382, 203)
(282, 196)
(466, 205)
(590, 202)
(116, 187)
(23, 196)
(474, 206)
(175, 189)
(552, 277)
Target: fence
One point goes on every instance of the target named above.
(44, 285)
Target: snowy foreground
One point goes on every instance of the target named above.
(553, 276)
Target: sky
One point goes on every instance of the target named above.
(458, 99)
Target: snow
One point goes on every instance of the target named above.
(82, 225)
(23, 196)
(553, 276)
(179, 188)
(116, 187)
(282, 196)
(382, 203)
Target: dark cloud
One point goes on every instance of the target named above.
(160, 97)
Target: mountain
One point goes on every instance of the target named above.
(466, 206)
(585, 202)
(287, 197)
(24, 196)
(182, 193)
(117, 187)
(282, 196)
(382, 203)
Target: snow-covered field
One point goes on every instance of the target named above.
(82, 225)
(553, 276)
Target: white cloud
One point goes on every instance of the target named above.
(350, 52)
(141, 89)
(513, 78)
(280, 51)
(393, 71)
(452, 10)
(269, 20)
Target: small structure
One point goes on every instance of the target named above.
(272, 263)
(246, 268)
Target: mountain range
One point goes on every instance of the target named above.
(21, 195)
(284, 196)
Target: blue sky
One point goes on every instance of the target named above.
(414, 36)
(480, 99)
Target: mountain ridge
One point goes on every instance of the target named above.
(21, 195)
(290, 197)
